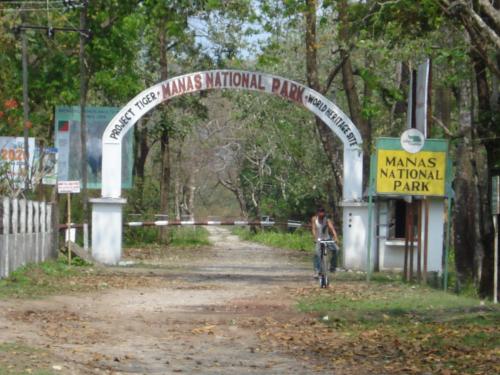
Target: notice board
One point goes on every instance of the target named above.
(423, 173)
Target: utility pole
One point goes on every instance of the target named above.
(24, 44)
(83, 104)
(84, 34)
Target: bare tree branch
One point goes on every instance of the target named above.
(331, 76)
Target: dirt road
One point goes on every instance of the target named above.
(199, 314)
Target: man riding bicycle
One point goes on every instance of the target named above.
(323, 230)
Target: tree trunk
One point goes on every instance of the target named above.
(465, 195)
(238, 193)
(241, 201)
(367, 98)
(141, 150)
(486, 129)
(165, 180)
(164, 139)
(328, 141)
(192, 190)
(443, 105)
(178, 183)
(177, 200)
(401, 106)
(141, 142)
(349, 85)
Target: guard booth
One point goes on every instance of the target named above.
(409, 184)
(391, 230)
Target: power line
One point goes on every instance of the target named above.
(51, 30)
(41, 2)
(39, 6)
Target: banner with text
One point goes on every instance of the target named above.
(331, 115)
(401, 173)
(12, 160)
(67, 130)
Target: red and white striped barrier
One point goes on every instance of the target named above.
(162, 223)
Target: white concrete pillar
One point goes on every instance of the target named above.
(355, 235)
(437, 210)
(353, 175)
(107, 229)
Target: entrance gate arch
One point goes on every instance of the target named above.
(107, 210)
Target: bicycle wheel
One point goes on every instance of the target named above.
(324, 266)
(323, 280)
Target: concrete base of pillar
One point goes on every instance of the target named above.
(355, 235)
(107, 229)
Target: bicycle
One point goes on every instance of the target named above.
(323, 263)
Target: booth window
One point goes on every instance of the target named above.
(397, 218)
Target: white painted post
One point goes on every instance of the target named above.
(85, 237)
(15, 230)
(29, 233)
(29, 220)
(6, 235)
(48, 227)
(22, 216)
(107, 229)
(36, 229)
(43, 231)
(43, 222)
(23, 247)
(48, 217)
(353, 175)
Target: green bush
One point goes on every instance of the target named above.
(137, 236)
(298, 240)
(177, 236)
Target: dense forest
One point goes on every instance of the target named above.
(236, 154)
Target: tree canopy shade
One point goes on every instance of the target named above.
(260, 153)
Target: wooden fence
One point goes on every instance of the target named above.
(26, 234)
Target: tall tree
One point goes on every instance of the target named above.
(311, 46)
(349, 84)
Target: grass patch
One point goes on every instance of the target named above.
(17, 358)
(392, 300)
(423, 329)
(188, 237)
(57, 278)
(39, 279)
(298, 240)
(177, 237)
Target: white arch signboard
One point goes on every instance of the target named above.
(106, 212)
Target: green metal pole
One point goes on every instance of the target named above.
(447, 246)
(370, 214)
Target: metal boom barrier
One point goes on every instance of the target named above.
(162, 223)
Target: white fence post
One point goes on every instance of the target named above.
(43, 231)
(14, 248)
(26, 233)
(29, 233)
(22, 252)
(50, 231)
(4, 271)
(36, 229)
